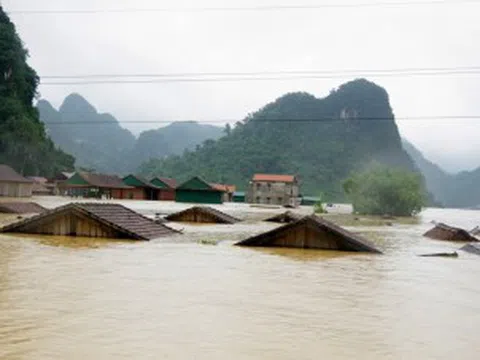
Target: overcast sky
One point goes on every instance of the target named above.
(377, 37)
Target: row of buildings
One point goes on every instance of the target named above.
(262, 189)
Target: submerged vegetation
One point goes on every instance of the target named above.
(385, 191)
(24, 144)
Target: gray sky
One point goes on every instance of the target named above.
(382, 37)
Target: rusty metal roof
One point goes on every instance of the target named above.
(345, 240)
(274, 178)
(125, 221)
(216, 215)
(7, 174)
(20, 208)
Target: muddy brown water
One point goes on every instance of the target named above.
(182, 298)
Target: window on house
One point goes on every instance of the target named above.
(268, 200)
(257, 200)
(280, 200)
(269, 186)
(258, 186)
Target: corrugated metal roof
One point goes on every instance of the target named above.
(20, 208)
(274, 178)
(7, 174)
(123, 220)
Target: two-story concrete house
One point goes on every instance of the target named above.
(273, 189)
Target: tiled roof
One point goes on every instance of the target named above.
(117, 217)
(201, 214)
(319, 230)
(104, 181)
(20, 208)
(7, 174)
(274, 178)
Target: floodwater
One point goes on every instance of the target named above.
(184, 298)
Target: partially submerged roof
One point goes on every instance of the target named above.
(473, 248)
(286, 217)
(164, 183)
(202, 214)
(92, 220)
(274, 178)
(38, 179)
(311, 232)
(86, 179)
(444, 232)
(7, 174)
(475, 231)
(20, 208)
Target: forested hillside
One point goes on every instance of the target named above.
(24, 144)
(321, 140)
(96, 140)
(451, 190)
(99, 142)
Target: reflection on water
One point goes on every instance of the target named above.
(74, 298)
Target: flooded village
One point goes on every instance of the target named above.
(194, 286)
(255, 180)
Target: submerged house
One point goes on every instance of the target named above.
(12, 184)
(166, 187)
(41, 186)
(202, 214)
(21, 208)
(142, 189)
(197, 190)
(274, 189)
(311, 232)
(444, 232)
(92, 220)
(92, 185)
(286, 217)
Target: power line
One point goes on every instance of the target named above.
(248, 9)
(254, 78)
(297, 120)
(270, 73)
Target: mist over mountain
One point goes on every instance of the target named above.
(452, 190)
(320, 140)
(100, 143)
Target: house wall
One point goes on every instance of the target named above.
(274, 193)
(14, 189)
(166, 195)
(199, 196)
(70, 224)
(132, 194)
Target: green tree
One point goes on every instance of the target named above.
(24, 144)
(385, 191)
